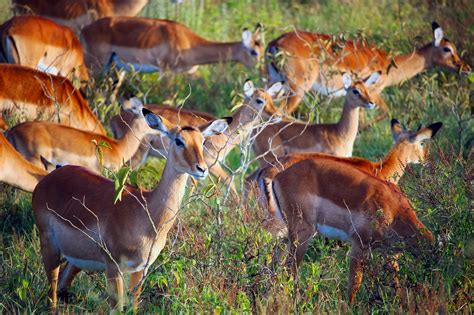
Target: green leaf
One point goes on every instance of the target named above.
(119, 182)
(471, 77)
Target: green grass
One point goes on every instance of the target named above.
(218, 258)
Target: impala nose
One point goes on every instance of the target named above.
(201, 172)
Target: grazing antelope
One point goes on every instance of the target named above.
(78, 219)
(16, 171)
(34, 95)
(338, 201)
(39, 43)
(409, 148)
(258, 106)
(337, 139)
(313, 61)
(60, 145)
(153, 45)
(77, 13)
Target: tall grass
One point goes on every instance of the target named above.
(218, 258)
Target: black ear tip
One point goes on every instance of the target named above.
(146, 111)
(393, 122)
(434, 25)
(228, 119)
(435, 128)
(259, 25)
(245, 29)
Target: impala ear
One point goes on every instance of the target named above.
(437, 34)
(346, 80)
(374, 77)
(257, 33)
(396, 128)
(157, 122)
(247, 38)
(249, 88)
(215, 127)
(275, 89)
(426, 133)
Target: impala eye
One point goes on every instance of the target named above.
(446, 49)
(356, 92)
(259, 101)
(179, 143)
(254, 53)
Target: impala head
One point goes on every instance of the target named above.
(357, 92)
(444, 53)
(412, 144)
(252, 43)
(261, 100)
(409, 228)
(186, 143)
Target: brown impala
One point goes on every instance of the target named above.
(77, 218)
(313, 61)
(29, 94)
(39, 43)
(153, 45)
(336, 200)
(77, 13)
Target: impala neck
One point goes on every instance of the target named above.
(130, 142)
(164, 201)
(349, 123)
(128, 7)
(393, 166)
(242, 124)
(409, 65)
(213, 52)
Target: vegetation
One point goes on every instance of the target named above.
(218, 258)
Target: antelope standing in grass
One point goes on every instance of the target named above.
(77, 13)
(257, 107)
(60, 145)
(16, 171)
(39, 43)
(409, 148)
(313, 61)
(77, 218)
(153, 45)
(339, 201)
(337, 139)
(30, 94)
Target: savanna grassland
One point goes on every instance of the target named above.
(218, 258)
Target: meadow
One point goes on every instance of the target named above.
(218, 258)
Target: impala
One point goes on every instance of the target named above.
(55, 49)
(161, 45)
(16, 171)
(77, 13)
(313, 61)
(409, 148)
(338, 139)
(78, 219)
(257, 107)
(338, 201)
(60, 145)
(29, 94)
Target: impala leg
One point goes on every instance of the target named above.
(298, 243)
(66, 276)
(135, 286)
(115, 287)
(3, 123)
(356, 271)
(392, 263)
(51, 261)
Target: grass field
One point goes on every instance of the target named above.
(218, 257)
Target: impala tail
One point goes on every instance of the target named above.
(274, 222)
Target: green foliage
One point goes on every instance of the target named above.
(217, 257)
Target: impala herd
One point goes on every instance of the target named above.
(307, 182)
